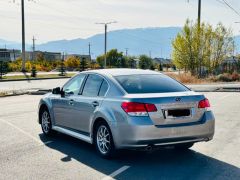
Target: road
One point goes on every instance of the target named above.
(26, 154)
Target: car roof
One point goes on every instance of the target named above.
(122, 71)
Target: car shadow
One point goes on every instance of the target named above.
(161, 164)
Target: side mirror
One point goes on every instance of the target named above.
(56, 90)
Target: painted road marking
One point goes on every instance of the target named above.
(115, 173)
(24, 132)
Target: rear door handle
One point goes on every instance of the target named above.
(95, 104)
(71, 102)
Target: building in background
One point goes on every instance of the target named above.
(80, 56)
(230, 65)
(163, 62)
(9, 54)
(49, 56)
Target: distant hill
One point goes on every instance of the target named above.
(138, 41)
(156, 41)
(12, 44)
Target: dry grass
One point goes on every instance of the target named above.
(187, 78)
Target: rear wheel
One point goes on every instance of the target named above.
(104, 141)
(184, 146)
(46, 122)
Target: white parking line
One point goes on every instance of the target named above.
(115, 173)
(27, 134)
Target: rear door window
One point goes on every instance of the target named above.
(103, 89)
(92, 85)
(145, 83)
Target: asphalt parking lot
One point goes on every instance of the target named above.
(26, 154)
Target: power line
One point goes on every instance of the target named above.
(228, 5)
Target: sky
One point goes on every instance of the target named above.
(50, 20)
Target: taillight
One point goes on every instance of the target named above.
(138, 109)
(204, 103)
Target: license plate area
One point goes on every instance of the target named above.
(177, 113)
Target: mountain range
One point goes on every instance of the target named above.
(151, 41)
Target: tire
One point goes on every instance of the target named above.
(103, 141)
(46, 123)
(184, 146)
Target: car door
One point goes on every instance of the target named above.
(90, 99)
(64, 108)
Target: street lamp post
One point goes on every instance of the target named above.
(105, 42)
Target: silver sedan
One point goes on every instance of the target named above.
(127, 108)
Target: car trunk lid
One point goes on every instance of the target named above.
(172, 108)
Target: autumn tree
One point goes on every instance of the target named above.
(196, 47)
(72, 62)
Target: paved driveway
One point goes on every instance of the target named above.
(26, 154)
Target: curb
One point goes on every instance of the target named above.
(39, 92)
(8, 80)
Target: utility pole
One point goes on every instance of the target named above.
(199, 26)
(105, 44)
(126, 51)
(14, 55)
(23, 37)
(199, 13)
(33, 48)
(89, 50)
(233, 48)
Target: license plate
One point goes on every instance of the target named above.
(177, 113)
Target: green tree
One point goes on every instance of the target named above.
(145, 62)
(160, 68)
(83, 64)
(114, 59)
(194, 47)
(4, 68)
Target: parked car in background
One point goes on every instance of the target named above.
(127, 108)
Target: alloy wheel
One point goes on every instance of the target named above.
(45, 122)
(103, 139)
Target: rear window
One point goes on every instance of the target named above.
(135, 84)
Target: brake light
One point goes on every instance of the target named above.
(204, 103)
(138, 109)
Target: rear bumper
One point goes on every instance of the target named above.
(135, 136)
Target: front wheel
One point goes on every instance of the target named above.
(104, 141)
(46, 122)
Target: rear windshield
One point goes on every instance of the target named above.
(135, 84)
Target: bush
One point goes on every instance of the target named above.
(227, 77)
(185, 78)
(235, 76)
